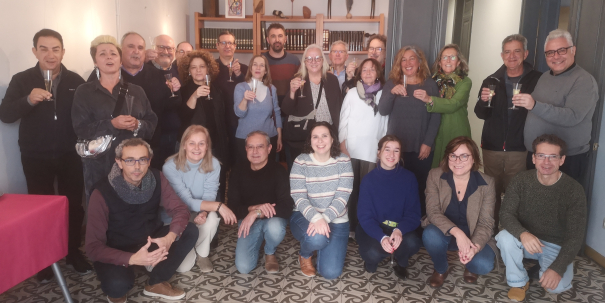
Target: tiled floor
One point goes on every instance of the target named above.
(225, 284)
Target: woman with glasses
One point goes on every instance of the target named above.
(450, 72)
(361, 126)
(194, 175)
(408, 117)
(94, 104)
(257, 108)
(460, 203)
(314, 95)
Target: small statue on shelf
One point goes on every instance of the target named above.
(329, 14)
(349, 6)
(373, 9)
(306, 12)
(292, 13)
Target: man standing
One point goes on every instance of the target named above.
(377, 46)
(182, 49)
(504, 151)
(562, 103)
(259, 195)
(123, 218)
(162, 54)
(544, 217)
(338, 57)
(46, 136)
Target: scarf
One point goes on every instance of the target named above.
(132, 194)
(367, 93)
(446, 83)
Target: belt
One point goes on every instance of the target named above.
(390, 223)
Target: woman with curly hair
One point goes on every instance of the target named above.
(197, 109)
(321, 181)
(408, 117)
(450, 71)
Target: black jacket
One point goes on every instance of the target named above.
(498, 134)
(40, 135)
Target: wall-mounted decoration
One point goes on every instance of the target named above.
(329, 14)
(210, 8)
(235, 8)
(349, 7)
(373, 9)
(259, 6)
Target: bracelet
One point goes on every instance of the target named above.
(258, 213)
(219, 206)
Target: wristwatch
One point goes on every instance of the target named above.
(136, 131)
(258, 213)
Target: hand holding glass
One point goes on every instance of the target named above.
(48, 82)
(516, 91)
(169, 83)
(492, 92)
(230, 71)
(208, 83)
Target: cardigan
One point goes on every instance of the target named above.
(258, 115)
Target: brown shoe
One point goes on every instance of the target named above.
(271, 265)
(205, 264)
(470, 277)
(518, 293)
(306, 266)
(437, 279)
(116, 300)
(164, 290)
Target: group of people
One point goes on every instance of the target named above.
(387, 162)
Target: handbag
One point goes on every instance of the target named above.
(296, 129)
(92, 149)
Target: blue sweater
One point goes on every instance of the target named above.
(388, 195)
(258, 115)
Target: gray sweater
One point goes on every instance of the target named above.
(555, 213)
(564, 106)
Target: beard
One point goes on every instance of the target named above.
(277, 47)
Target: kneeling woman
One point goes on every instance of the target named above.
(321, 181)
(194, 174)
(460, 213)
(388, 211)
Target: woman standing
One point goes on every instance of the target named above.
(256, 107)
(450, 71)
(194, 174)
(94, 104)
(460, 204)
(408, 117)
(321, 182)
(361, 127)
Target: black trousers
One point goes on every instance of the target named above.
(421, 169)
(117, 280)
(40, 177)
(575, 166)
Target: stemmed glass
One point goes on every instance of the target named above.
(302, 84)
(254, 86)
(169, 83)
(208, 83)
(230, 71)
(405, 83)
(129, 102)
(516, 91)
(48, 81)
(492, 92)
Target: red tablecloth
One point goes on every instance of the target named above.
(33, 235)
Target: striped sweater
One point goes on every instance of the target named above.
(322, 189)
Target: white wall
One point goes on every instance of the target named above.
(449, 28)
(79, 22)
(596, 230)
(492, 22)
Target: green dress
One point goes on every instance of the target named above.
(454, 117)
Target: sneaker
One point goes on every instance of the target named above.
(271, 265)
(306, 266)
(164, 290)
(205, 264)
(116, 300)
(44, 276)
(78, 263)
(518, 293)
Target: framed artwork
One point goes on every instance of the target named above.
(235, 8)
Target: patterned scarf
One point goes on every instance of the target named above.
(367, 93)
(446, 83)
(132, 194)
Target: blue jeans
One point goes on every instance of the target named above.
(331, 251)
(437, 244)
(513, 252)
(372, 253)
(271, 230)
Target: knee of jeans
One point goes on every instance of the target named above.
(481, 267)
(330, 272)
(244, 264)
(276, 227)
(505, 240)
(411, 242)
(432, 237)
(316, 242)
(117, 287)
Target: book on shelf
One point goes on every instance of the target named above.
(355, 39)
(209, 37)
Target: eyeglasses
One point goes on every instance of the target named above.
(226, 43)
(543, 157)
(463, 157)
(374, 49)
(452, 58)
(561, 51)
(182, 51)
(338, 52)
(165, 48)
(131, 162)
(314, 59)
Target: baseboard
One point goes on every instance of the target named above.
(593, 254)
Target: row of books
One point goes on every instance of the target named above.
(209, 37)
(355, 39)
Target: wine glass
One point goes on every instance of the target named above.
(230, 71)
(405, 83)
(516, 91)
(169, 83)
(302, 84)
(48, 82)
(254, 86)
(208, 83)
(492, 92)
(129, 102)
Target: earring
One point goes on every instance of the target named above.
(97, 70)
(189, 74)
(120, 75)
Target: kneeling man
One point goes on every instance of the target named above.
(124, 228)
(544, 218)
(259, 195)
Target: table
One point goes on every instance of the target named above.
(33, 235)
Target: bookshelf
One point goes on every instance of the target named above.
(201, 22)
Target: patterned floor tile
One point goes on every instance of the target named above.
(326, 297)
(295, 295)
(235, 294)
(265, 294)
(353, 296)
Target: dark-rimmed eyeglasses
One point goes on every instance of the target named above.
(463, 157)
(561, 51)
(543, 157)
(374, 49)
(452, 57)
(314, 59)
(131, 162)
(226, 43)
(162, 48)
(338, 52)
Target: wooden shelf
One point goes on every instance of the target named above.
(352, 52)
(288, 19)
(214, 50)
(221, 18)
(377, 19)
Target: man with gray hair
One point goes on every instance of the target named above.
(504, 151)
(562, 103)
(338, 57)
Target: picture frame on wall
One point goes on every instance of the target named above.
(235, 8)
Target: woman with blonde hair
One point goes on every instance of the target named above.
(194, 174)
(408, 118)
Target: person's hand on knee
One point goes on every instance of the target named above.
(550, 279)
(531, 243)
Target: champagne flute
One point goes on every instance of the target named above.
(129, 102)
(492, 92)
(302, 84)
(230, 71)
(169, 83)
(516, 91)
(208, 83)
(48, 82)
(405, 83)
(254, 86)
